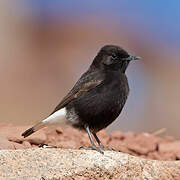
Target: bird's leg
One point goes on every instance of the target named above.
(90, 137)
(94, 147)
(98, 141)
(101, 145)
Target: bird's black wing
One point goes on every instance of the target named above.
(88, 81)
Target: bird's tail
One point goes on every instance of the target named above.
(57, 118)
(33, 129)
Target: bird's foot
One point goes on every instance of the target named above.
(92, 148)
(105, 148)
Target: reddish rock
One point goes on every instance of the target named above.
(13, 133)
(5, 144)
(142, 143)
(104, 137)
(129, 135)
(178, 156)
(117, 135)
(67, 144)
(168, 156)
(170, 147)
(35, 146)
(155, 155)
(18, 145)
(84, 140)
(162, 156)
(118, 145)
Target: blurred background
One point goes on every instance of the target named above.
(46, 45)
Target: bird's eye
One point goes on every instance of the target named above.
(113, 56)
(110, 59)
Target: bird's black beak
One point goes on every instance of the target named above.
(132, 58)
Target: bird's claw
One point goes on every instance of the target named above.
(92, 148)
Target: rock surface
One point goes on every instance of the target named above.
(55, 164)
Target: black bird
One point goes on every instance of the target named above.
(97, 98)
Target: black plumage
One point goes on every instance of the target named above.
(99, 96)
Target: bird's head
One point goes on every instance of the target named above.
(111, 57)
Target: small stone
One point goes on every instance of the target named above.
(26, 144)
(59, 130)
(18, 146)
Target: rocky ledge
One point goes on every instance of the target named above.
(56, 163)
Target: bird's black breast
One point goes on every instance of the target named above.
(100, 106)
